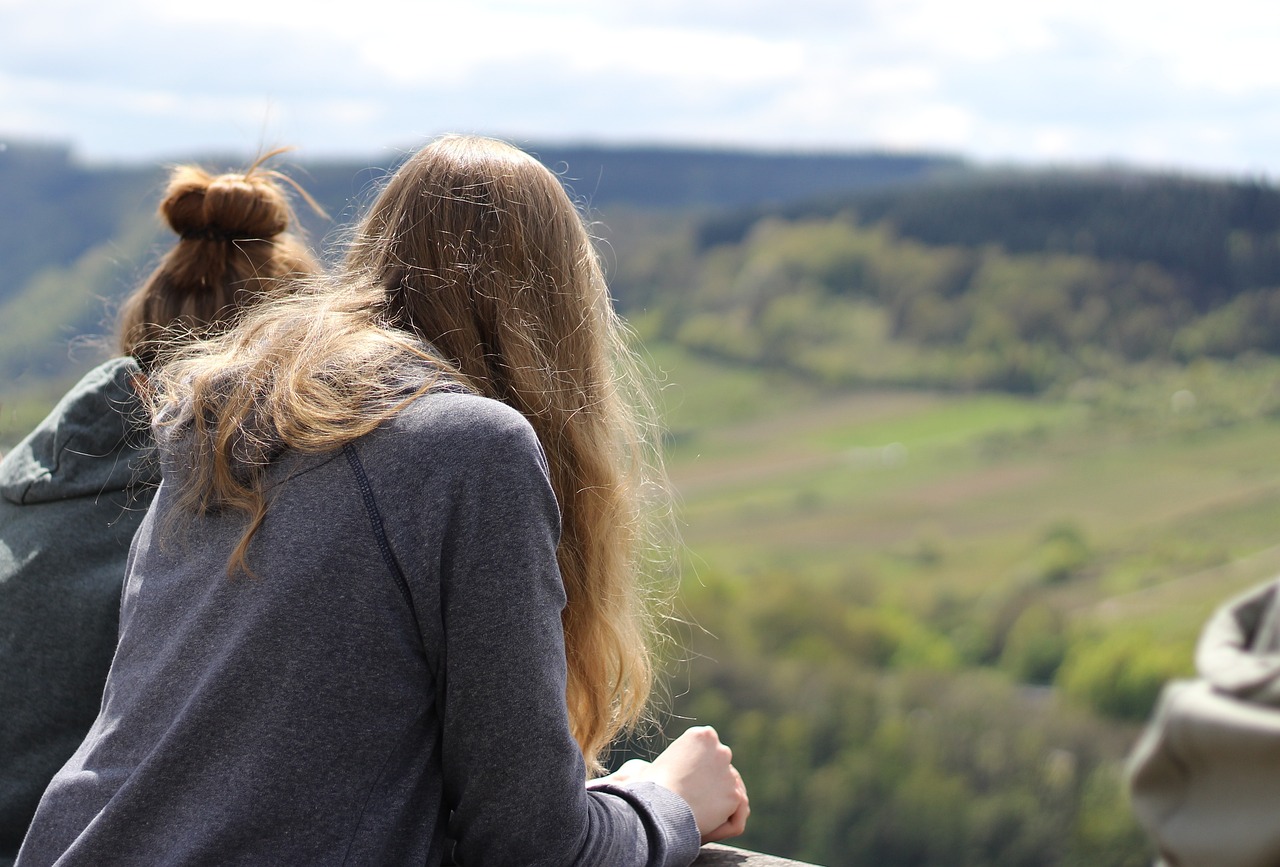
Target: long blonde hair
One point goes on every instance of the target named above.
(475, 256)
(234, 249)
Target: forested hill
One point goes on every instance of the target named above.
(1223, 237)
(1017, 281)
(859, 268)
(678, 178)
(75, 238)
(54, 208)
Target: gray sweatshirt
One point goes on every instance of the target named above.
(71, 496)
(390, 678)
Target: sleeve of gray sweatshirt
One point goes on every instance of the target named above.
(513, 774)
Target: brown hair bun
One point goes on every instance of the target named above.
(200, 206)
(234, 250)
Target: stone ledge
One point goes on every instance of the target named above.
(715, 855)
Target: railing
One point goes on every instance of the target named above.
(715, 855)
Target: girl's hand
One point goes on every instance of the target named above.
(698, 768)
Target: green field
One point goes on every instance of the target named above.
(998, 556)
(961, 491)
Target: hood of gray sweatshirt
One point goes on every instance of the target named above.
(94, 441)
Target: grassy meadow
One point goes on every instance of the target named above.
(1147, 507)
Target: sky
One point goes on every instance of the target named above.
(1191, 87)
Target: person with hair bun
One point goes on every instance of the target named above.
(73, 492)
(391, 604)
(233, 251)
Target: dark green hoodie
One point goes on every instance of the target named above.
(71, 496)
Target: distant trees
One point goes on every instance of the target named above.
(1218, 238)
(1013, 283)
(914, 271)
(865, 742)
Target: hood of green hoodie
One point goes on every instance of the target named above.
(94, 441)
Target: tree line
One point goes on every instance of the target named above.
(1013, 283)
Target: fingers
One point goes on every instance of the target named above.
(633, 768)
(738, 821)
(733, 827)
(736, 824)
(631, 771)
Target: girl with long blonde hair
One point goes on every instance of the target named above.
(389, 604)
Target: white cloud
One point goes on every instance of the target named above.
(1229, 46)
(973, 32)
(1067, 79)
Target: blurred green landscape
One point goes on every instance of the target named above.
(964, 455)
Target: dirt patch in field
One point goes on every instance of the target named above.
(776, 444)
(859, 408)
(958, 490)
(697, 477)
